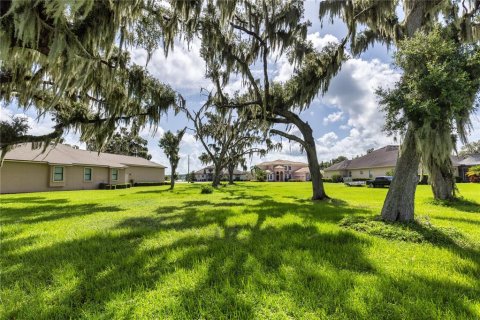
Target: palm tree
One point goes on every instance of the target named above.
(170, 143)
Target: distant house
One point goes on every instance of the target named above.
(62, 167)
(284, 170)
(206, 174)
(381, 162)
(376, 163)
(465, 163)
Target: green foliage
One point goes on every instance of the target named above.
(123, 142)
(419, 231)
(170, 143)
(259, 174)
(191, 177)
(337, 178)
(206, 189)
(436, 96)
(474, 174)
(69, 60)
(470, 148)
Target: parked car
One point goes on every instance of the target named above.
(381, 181)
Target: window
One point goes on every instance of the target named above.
(87, 174)
(114, 174)
(289, 167)
(57, 173)
(361, 172)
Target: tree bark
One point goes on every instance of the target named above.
(399, 204)
(216, 176)
(172, 178)
(443, 184)
(231, 169)
(309, 145)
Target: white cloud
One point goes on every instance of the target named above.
(183, 68)
(333, 117)
(285, 69)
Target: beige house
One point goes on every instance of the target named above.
(284, 170)
(381, 162)
(62, 167)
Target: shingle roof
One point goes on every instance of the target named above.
(303, 170)
(282, 163)
(383, 157)
(471, 160)
(387, 157)
(66, 155)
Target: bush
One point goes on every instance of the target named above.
(123, 186)
(147, 184)
(206, 190)
(295, 180)
(360, 179)
(473, 174)
(337, 178)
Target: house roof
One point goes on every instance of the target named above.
(387, 157)
(281, 162)
(471, 160)
(383, 157)
(303, 170)
(66, 155)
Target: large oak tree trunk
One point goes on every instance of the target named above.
(308, 144)
(216, 176)
(231, 169)
(399, 203)
(311, 149)
(443, 184)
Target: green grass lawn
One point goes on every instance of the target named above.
(250, 251)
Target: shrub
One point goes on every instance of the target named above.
(147, 184)
(206, 190)
(473, 174)
(337, 178)
(327, 180)
(295, 180)
(122, 186)
(360, 179)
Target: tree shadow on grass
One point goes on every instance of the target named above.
(29, 200)
(43, 213)
(459, 204)
(272, 260)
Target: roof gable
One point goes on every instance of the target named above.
(66, 155)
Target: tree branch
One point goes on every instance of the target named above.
(288, 136)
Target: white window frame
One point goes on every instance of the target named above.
(111, 174)
(63, 174)
(91, 174)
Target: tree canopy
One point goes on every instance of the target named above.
(123, 142)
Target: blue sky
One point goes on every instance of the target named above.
(345, 121)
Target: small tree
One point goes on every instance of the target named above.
(259, 174)
(124, 142)
(470, 148)
(170, 143)
(191, 177)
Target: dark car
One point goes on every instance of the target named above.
(381, 181)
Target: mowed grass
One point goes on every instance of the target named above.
(249, 251)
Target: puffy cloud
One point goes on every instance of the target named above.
(285, 69)
(333, 117)
(183, 68)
